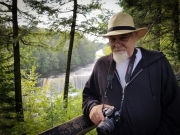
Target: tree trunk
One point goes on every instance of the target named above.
(157, 27)
(66, 85)
(176, 12)
(17, 73)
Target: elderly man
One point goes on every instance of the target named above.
(132, 91)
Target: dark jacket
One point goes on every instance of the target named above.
(151, 100)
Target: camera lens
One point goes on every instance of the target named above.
(105, 126)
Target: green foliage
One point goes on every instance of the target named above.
(86, 52)
(92, 132)
(42, 108)
(107, 50)
(53, 61)
(7, 99)
(163, 24)
(41, 111)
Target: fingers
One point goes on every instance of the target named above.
(107, 106)
(96, 114)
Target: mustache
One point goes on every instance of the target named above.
(119, 48)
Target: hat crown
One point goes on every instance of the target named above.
(121, 20)
(123, 23)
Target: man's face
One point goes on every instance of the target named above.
(122, 43)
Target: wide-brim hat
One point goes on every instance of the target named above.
(122, 23)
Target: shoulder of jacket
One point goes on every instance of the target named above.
(151, 53)
(150, 56)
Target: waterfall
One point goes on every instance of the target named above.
(77, 79)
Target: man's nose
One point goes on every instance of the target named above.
(117, 43)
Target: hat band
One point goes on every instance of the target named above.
(121, 28)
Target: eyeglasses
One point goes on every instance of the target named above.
(122, 39)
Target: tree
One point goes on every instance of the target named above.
(66, 84)
(7, 99)
(17, 73)
(81, 9)
(162, 20)
(11, 38)
(11, 7)
(63, 23)
(176, 22)
(20, 35)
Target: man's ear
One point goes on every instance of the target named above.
(134, 36)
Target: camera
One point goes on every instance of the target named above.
(112, 116)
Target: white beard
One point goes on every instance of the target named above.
(120, 57)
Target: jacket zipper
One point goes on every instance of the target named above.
(133, 78)
(123, 92)
(128, 82)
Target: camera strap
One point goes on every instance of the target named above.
(110, 74)
(111, 71)
(110, 77)
(130, 66)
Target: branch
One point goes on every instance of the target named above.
(25, 43)
(61, 4)
(8, 6)
(5, 11)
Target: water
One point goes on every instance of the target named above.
(77, 79)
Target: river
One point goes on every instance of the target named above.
(77, 79)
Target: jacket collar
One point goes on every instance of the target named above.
(150, 56)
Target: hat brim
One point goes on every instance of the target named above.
(140, 32)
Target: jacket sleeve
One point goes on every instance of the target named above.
(170, 102)
(90, 96)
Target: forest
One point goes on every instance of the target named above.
(51, 61)
(29, 51)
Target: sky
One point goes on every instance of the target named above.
(108, 4)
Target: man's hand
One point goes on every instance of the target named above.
(96, 114)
